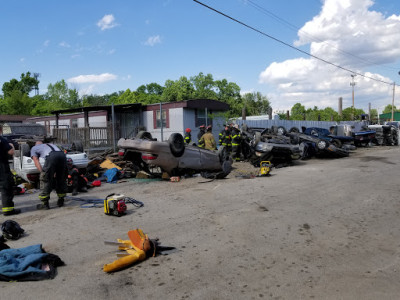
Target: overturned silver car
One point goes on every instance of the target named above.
(173, 156)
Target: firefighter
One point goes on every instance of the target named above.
(6, 179)
(225, 138)
(53, 171)
(76, 182)
(201, 132)
(188, 136)
(208, 140)
(236, 141)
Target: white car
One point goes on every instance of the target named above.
(25, 168)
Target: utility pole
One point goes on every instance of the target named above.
(394, 84)
(352, 83)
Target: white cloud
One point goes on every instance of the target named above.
(64, 44)
(46, 43)
(346, 33)
(93, 78)
(153, 40)
(107, 22)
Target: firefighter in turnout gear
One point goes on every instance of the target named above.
(6, 179)
(54, 171)
(225, 138)
(208, 140)
(201, 132)
(236, 140)
(188, 136)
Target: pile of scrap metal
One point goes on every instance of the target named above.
(267, 145)
(385, 135)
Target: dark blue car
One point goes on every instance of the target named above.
(325, 134)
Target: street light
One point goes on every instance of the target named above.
(352, 83)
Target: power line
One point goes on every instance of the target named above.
(297, 29)
(290, 46)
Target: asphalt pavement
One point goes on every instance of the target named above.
(319, 229)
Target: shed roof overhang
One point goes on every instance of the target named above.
(117, 108)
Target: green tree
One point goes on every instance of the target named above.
(374, 114)
(61, 97)
(349, 114)
(255, 104)
(388, 109)
(204, 86)
(25, 85)
(18, 103)
(297, 112)
(178, 90)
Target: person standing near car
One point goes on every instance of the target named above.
(6, 179)
(208, 140)
(225, 138)
(53, 171)
(236, 141)
(201, 132)
(188, 136)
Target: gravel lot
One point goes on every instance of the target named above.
(320, 229)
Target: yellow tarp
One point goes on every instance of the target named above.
(107, 164)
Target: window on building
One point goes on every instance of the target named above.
(164, 118)
(74, 123)
(203, 117)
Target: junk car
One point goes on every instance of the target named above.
(173, 156)
(259, 144)
(386, 135)
(337, 140)
(359, 131)
(24, 166)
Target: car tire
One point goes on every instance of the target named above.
(294, 130)
(281, 130)
(77, 146)
(337, 143)
(226, 169)
(176, 144)
(222, 154)
(144, 135)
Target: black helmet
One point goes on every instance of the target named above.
(12, 230)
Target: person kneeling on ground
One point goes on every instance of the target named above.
(76, 182)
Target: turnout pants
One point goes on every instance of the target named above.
(54, 174)
(6, 186)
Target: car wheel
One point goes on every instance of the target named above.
(281, 130)
(144, 135)
(77, 146)
(176, 144)
(222, 154)
(226, 169)
(294, 130)
(337, 143)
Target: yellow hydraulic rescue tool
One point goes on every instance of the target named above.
(265, 168)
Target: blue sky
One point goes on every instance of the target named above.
(106, 46)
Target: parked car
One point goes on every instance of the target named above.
(387, 135)
(323, 133)
(24, 166)
(173, 156)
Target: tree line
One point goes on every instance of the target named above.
(16, 99)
